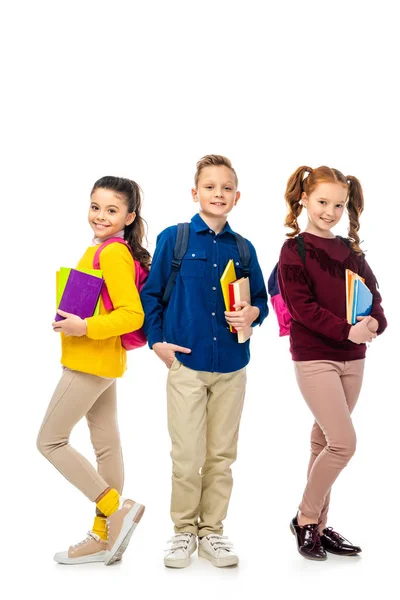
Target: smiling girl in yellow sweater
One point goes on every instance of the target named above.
(93, 357)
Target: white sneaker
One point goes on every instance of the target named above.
(91, 549)
(182, 546)
(218, 550)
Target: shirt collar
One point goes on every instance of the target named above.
(199, 226)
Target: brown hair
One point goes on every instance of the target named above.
(298, 183)
(135, 232)
(213, 160)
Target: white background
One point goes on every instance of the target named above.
(143, 90)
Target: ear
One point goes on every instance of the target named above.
(130, 218)
(237, 198)
(304, 200)
(194, 195)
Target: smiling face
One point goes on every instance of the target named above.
(325, 206)
(108, 213)
(216, 191)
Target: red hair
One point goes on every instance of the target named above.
(306, 179)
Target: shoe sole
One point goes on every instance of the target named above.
(131, 520)
(343, 553)
(301, 553)
(90, 558)
(179, 563)
(228, 561)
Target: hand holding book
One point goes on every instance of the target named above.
(243, 318)
(373, 324)
(361, 333)
(70, 325)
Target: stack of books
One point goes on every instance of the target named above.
(78, 291)
(235, 290)
(358, 297)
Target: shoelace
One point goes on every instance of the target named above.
(220, 542)
(336, 536)
(179, 542)
(90, 536)
(313, 539)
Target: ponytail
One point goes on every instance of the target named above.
(294, 190)
(355, 207)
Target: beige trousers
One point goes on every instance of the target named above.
(79, 395)
(204, 411)
(331, 390)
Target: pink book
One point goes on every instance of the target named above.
(80, 295)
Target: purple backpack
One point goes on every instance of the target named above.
(278, 303)
(134, 339)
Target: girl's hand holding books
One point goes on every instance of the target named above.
(361, 333)
(70, 325)
(373, 324)
(242, 318)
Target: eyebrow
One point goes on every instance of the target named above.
(327, 200)
(225, 182)
(109, 206)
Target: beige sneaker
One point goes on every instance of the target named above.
(121, 525)
(218, 550)
(91, 549)
(178, 554)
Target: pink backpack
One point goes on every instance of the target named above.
(134, 339)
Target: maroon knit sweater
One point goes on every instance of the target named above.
(315, 294)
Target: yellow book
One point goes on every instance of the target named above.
(228, 276)
(62, 278)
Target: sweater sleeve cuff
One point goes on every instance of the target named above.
(91, 328)
(382, 323)
(346, 331)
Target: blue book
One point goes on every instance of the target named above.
(362, 301)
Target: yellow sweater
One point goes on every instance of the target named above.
(100, 351)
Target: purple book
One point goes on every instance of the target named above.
(80, 295)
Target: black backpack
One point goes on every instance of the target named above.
(181, 245)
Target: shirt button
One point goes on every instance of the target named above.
(214, 265)
(237, 264)
(195, 255)
(210, 231)
(215, 339)
(214, 288)
(213, 314)
(215, 241)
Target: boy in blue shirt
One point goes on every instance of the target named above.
(207, 375)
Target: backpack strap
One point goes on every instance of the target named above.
(181, 244)
(301, 248)
(96, 260)
(105, 296)
(244, 253)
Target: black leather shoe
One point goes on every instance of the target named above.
(308, 540)
(335, 543)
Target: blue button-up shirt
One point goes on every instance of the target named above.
(194, 317)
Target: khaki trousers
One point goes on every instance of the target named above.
(204, 411)
(79, 395)
(331, 390)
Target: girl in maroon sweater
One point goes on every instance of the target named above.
(328, 352)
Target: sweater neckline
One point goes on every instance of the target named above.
(319, 236)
